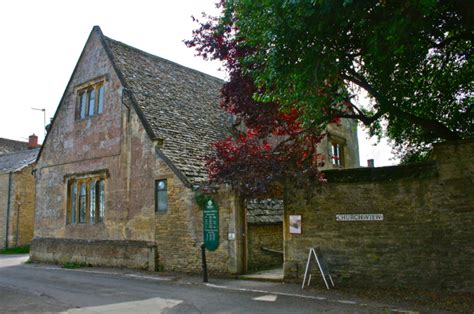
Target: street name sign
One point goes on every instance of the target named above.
(359, 217)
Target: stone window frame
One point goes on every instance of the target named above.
(157, 191)
(84, 92)
(97, 180)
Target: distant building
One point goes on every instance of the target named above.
(17, 192)
(10, 146)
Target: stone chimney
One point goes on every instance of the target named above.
(32, 141)
(370, 163)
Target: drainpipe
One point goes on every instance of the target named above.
(18, 206)
(8, 207)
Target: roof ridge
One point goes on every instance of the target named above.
(7, 139)
(165, 60)
(19, 152)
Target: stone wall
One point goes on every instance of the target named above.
(22, 207)
(131, 254)
(424, 241)
(265, 242)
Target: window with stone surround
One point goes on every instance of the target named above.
(161, 195)
(337, 154)
(90, 98)
(86, 199)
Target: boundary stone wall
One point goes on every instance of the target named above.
(425, 240)
(130, 254)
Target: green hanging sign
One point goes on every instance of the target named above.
(211, 225)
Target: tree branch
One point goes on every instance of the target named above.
(432, 126)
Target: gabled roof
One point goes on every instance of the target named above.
(10, 146)
(176, 104)
(17, 160)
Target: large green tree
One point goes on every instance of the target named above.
(412, 58)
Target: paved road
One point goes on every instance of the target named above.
(44, 288)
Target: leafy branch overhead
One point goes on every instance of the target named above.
(412, 58)
(267, 144)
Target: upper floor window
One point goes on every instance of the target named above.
(91, 99)
(86, 200)
(337, 154)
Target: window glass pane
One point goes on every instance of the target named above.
(82, 203)
(100, 107)
(83, 100)
(161, 196)
(92, 202)
(91, 94)
(101, 200)
(73, 203)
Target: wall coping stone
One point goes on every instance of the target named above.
(418, 170)
(128, 243)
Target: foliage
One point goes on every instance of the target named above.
(312, 58)
(202, 199)
(267, 144)
(16, 250)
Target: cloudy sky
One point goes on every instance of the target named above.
(41, 42)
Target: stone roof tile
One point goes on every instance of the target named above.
(180, 106)
(10, 146)
(17, 160)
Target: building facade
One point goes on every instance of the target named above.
(125, 151)
(17, 192)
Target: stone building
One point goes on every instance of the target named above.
(17, 191)
(125, 152)
(10, 146)
(118, 169)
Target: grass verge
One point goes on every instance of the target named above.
(16, 250)
(74, 265)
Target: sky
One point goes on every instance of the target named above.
(41, 42)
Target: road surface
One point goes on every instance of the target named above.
(48, 288)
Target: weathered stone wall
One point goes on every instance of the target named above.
(131, 254)
(97, 143)
(426, 237)
(260, 238)
(22, 206)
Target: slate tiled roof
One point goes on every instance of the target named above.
(10, 146)
(267, 211)
(179, 105)
(17, 160)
